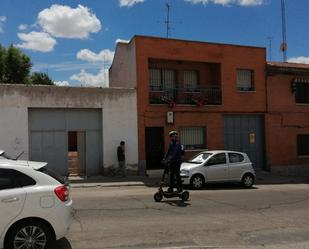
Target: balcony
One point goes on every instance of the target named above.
(199, 96)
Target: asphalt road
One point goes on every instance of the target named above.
(268, 216)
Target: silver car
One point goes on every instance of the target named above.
(217, 166)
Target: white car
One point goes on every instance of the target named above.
(217, 166)
(35, 205)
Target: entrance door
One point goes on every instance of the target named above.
(154, 147)
(76, 152)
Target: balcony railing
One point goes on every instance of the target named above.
(206, 95)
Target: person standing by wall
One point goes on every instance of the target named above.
(121, 159)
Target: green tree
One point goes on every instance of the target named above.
(40, 79)
(2, 64)
(17, 66)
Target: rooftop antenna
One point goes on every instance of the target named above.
(284, 45)
(270, 38)
(167, 21)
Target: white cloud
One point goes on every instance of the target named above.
(229, 2)
(104, 55)
(122, 41)
(2, 20)
(64, 21)
(22, 27)
(92, 80)
(37, 41)
(300, 59)
(129, 3)
(62, 83)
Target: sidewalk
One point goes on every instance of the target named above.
(154, 178)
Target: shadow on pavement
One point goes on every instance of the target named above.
(178, 203)
(153, 179)
(63, 244)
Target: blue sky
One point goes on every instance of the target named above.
(74, 40)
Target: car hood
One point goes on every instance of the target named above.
(188, 166)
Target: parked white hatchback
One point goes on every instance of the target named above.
(217, 166)
(35, 205)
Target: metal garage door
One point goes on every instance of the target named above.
(245, 133)
(48, 131)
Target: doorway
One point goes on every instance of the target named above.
(76, 153)
(154, 147)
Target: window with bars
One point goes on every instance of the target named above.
(161, 79)
(245, 80)
(193, 137)
(190, 81)
(303, 145)
(301, 88)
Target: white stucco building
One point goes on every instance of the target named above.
(69, 126)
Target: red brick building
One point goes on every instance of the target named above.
(287, 118)
(213, 94)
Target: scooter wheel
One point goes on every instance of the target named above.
(157, 196)
(185, 196)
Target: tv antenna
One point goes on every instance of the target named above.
(270, 39)
(284, 45)
(167, 20)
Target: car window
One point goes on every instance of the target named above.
(10, 178)
(6, 179)
(200, 158)
(23, 180)
(236, 157)
(217, 159)
(53, 174)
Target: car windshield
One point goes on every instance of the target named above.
(200, 158)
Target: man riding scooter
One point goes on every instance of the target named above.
(173, 157)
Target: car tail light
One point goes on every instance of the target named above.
(62, 192)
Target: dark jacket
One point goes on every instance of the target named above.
(174, 151)
(120, 154)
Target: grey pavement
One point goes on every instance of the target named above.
(153, 179)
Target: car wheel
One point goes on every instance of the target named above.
(197, 181)
(30, 235)
(247, 180)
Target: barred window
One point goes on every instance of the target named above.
(193, 137)
(301, 90)
(245, 80)
(161, 79)
(303, 145)
(155, 79)
(190, 81)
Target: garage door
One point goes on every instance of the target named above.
(48, 131)
(245, 133)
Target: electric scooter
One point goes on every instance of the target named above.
(158, 196)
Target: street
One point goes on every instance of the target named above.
(224, 216)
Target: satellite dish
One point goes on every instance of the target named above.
(284, 46)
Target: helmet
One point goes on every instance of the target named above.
(172, 133)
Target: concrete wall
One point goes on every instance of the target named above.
(122, 72)
(119, 116)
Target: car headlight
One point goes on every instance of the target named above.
(184, 172)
